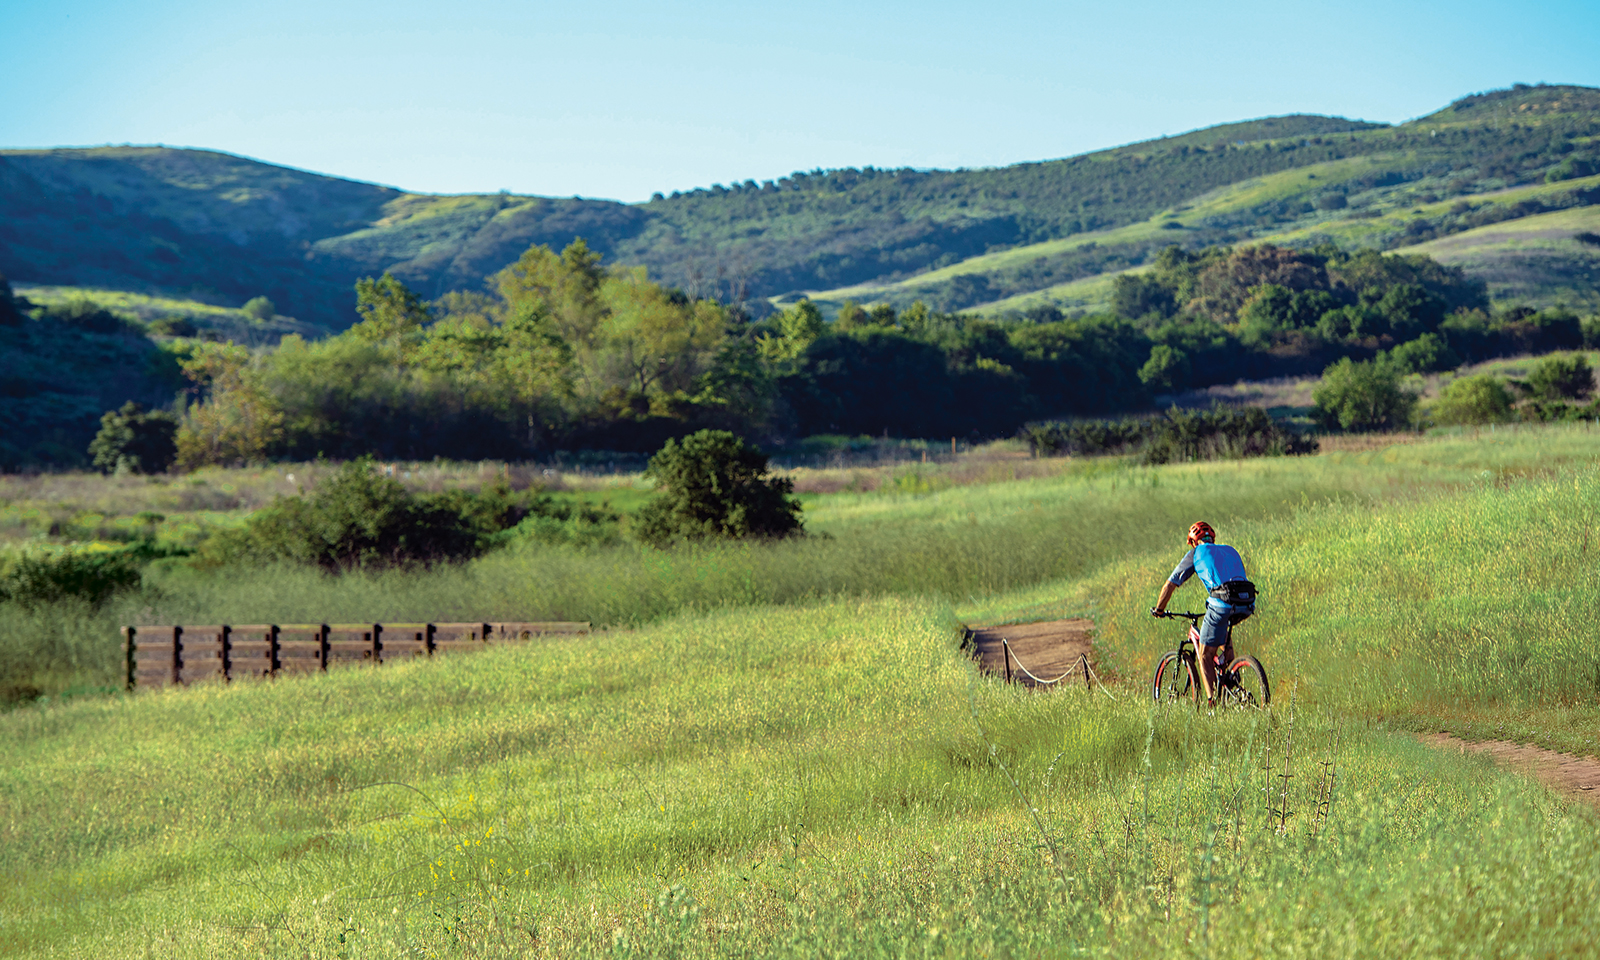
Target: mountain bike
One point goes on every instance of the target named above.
(1242, 683)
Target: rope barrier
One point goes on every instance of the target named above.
(1097, 679)
(1083, 662)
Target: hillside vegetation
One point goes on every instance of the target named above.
(224, 228)
(565, 352)
(827, 775)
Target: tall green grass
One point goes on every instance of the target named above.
(962, 543)
(826, 779)
(1473, 610)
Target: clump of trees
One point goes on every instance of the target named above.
(560, 351)
(563, 352)
(1374, 395)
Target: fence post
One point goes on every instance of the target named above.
(127, 657)
(1006, 645)
(1085, 659)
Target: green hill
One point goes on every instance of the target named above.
(221, 229)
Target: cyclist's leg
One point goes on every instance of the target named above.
(1213, 634)
(1235, 617)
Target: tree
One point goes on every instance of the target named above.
(714, 486)
(1473, 401)
(655, 340)
(392, 315)
(1167, 368)
(133, 441)
(798, 327)
(566, 284)
(850, 316)
(238, 421)
(261, 309)
(533, 362)
(1362, 396)
(1135, 295)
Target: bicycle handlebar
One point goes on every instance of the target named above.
(1173, 614)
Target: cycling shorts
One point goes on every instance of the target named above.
(1217, 624)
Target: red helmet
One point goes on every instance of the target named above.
(1201, 531)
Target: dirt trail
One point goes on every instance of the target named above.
(1048, 649)
(1572, 776)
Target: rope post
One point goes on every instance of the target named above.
(1007, 645)
(1086, 685)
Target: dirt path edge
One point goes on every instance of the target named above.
(1571, 776)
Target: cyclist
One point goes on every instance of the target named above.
(1232, 597)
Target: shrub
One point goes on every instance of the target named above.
(260, 309)
(359, 518)
(1473, 400)
(10, 309)
(39, 579)
(1425, 354)
(714, 486)
(133, 441)
(1562, 378)
(1362, 396)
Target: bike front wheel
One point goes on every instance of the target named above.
(1249, 687)
(1175, 680)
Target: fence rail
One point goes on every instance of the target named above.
(163, 656)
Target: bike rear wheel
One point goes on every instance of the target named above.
(1249, 687)
(1175, 680)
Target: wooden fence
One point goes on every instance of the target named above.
(164, 656)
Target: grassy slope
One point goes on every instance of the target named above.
(1219, 203)
(1500, 252)
(230, 322)
(830, 779)
(1530, 260)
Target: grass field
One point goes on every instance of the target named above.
(825, 775)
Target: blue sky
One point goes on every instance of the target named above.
(619, 99)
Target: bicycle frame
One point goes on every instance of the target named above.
(1229, 689)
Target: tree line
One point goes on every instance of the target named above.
(563, 352)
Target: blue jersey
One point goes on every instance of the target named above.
(1216, 564)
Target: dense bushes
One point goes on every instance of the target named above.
(1177, 435)
(1472, 401)
(1363, 396)
(90, 576)
(360, 518)
(1562, 378)
(133, 440)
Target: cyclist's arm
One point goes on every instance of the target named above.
(1167, 589)
(1184, 571)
